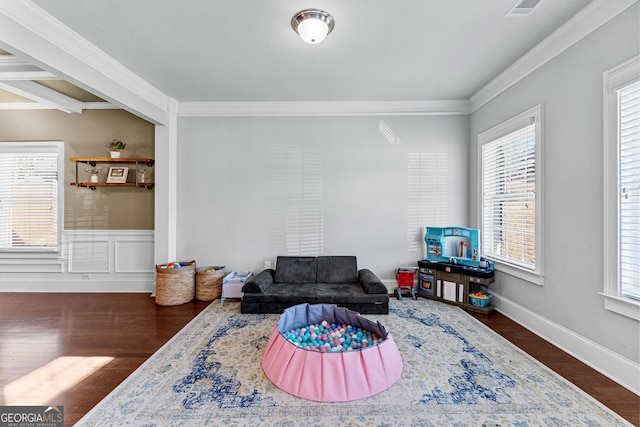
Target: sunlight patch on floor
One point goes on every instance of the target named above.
(40, 386)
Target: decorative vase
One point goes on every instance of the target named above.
(94, 174)
(115, 154)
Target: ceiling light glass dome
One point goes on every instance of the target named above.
(313, 25)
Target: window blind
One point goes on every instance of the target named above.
(629, 184)
(297, 200)
(28, 201)
(508, 189)
(427, 194)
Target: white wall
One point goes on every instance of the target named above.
(569, 88)
(240, 180)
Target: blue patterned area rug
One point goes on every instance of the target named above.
(457, 372)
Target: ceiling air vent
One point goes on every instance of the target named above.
(523, 8)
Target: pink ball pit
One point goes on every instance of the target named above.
(330, 377)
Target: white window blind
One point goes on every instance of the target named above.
(629, 185)
(297, 200)
(509, 199)
(427, 194)
(28, 201)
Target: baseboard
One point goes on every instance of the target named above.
(619, 369)
(390, 284)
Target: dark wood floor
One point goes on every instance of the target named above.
(608, 392)
(71, 350)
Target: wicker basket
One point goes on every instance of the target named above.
(209, 283)
(175, 286)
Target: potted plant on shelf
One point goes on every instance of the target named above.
(116, 147)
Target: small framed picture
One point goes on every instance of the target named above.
(117, 175)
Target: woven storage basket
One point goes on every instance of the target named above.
(209, 283)
(175, 286)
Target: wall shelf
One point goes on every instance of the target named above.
(93, 161)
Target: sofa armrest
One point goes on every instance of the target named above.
(370, 282)
(260, 283)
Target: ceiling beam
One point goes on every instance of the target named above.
(14, 68)
(29, 32)
(41, 94)
(24, 106)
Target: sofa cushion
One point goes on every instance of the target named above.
(337, 269)
(294, 293)
(370, 282)
(295, 269)
(260, 283)
(346, 293)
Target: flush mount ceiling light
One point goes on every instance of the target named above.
(312, 25)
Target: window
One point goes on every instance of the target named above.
(30, 192)
(510, 195)
(629, 185)
(622, 189)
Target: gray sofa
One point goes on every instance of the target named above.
(315, 280)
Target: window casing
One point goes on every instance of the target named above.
(621, 154)
(510, 195)
(30, 198)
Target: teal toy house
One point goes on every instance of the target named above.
(458, 245)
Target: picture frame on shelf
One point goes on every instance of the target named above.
(117, 175)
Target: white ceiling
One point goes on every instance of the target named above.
(246, 51)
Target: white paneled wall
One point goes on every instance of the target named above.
(254, 188)
(91, 261)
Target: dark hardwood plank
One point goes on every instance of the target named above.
(40, 329)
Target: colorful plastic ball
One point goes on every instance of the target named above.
(325, 337)
(174, 265)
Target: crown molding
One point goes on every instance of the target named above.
(323, 108)
(589, 19)
(30, 32)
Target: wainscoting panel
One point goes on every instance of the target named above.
(90, 261)
(89, 256)
(21, 266)
(135, 256)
